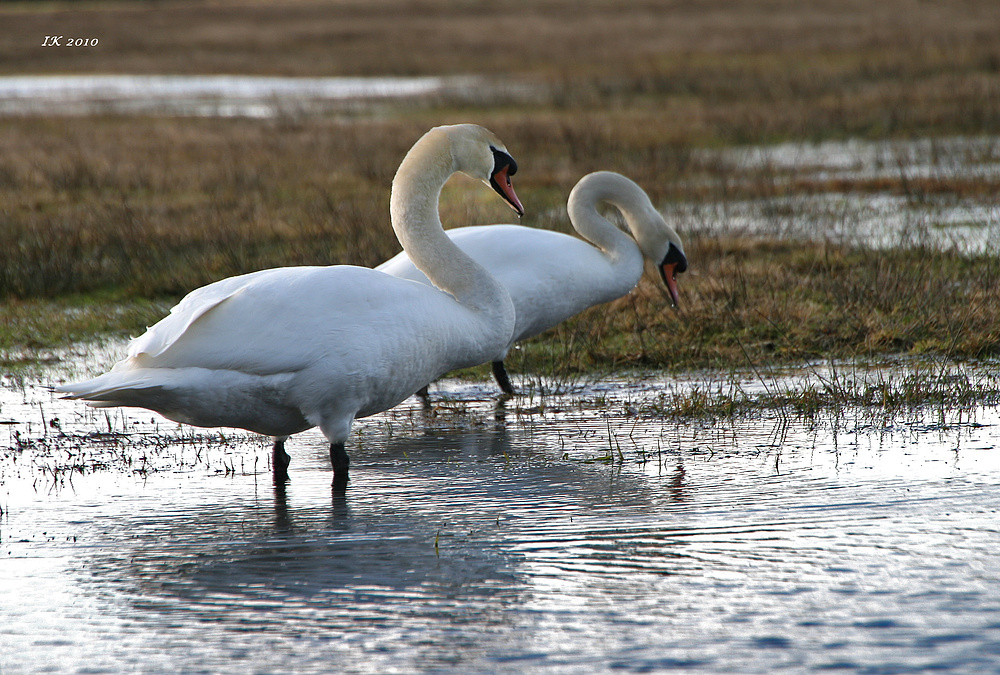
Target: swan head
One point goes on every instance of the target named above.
(657, 241)
(661, 245)
(673, 263)
(479, 154)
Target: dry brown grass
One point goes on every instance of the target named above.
(161, 206)
(753, 302)
(546, 37)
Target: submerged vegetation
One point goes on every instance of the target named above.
(888, 392)
(107, 220)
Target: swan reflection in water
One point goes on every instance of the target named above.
(498, 507)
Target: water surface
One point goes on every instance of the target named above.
(872, 193)
(574, 533)
(205, 95)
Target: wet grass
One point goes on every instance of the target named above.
(56, 457)
(52, 451)
(887, 393)
(101, 241)
(34, 329)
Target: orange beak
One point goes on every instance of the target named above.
(501, 183)
(668, 272)
(673, 263)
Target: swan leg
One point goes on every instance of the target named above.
(280, 460)
(422, 393)
(500, 375)
(340, 462)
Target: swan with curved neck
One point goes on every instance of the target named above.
(552, 276)
(282, 350)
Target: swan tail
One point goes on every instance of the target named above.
(111, 389)
(198, 396)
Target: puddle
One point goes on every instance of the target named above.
(570, 533)
(207, 95)
(949, 157)
(969, 225)
(876, 220)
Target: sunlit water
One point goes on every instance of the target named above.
(205, 95)
(573, 533)
(910, 215)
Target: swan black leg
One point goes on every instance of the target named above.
(422, 393)
(500, 375)
(280, 460)
(340, 462)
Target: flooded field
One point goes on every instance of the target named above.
(574, 532)
(583, 530)
(838, 196)
(835, 190)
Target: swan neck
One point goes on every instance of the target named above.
(414, 210)
(594, 227)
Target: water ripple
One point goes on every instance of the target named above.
(482, 544)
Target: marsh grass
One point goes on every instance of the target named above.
(54, 455)
(881, 392)
(758, 301)
(37, 326)
(104, 239)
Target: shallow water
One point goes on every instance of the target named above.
(879, 219)
(875, 220)
(204, 95)
(570, 533)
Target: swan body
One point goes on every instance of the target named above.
(552, 276)
(282, 350)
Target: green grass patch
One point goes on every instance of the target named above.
(31, 330)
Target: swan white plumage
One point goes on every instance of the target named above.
(282, 350)
(552, 276)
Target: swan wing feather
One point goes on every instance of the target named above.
(192, 306)
(550, 276)
(288, 319)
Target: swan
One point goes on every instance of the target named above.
(552, 276)
(282, 350)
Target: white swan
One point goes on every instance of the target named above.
(552, 276)
(283, 350)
